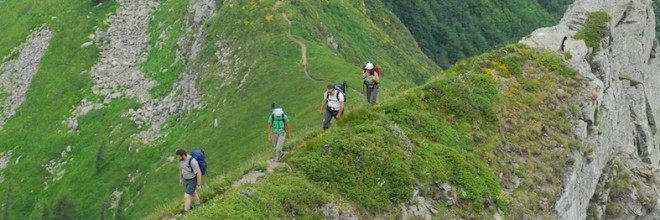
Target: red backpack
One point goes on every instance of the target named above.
(376, 69)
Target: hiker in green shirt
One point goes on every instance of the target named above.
(278, 131)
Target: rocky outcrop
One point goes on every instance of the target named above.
(198, 12)
(124, 46)
(56, 167)
(17, 71)
(619, 115)
(4, 162)
(332, 211)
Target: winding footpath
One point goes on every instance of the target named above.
(303, 52)
(302, 45)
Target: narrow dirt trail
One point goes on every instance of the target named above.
(303, 49)
(254, 175)
(302, 45)
(251, 177)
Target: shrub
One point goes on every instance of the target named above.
(369, 167)
(96, 2)
(554, 63)
(595, 29)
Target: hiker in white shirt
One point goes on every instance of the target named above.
(332, 106)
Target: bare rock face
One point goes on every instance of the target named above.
(124, 46)
(331, 211)
(419, 208)
(17, 71)
(4, 162)
(619, 117)
(199, 11)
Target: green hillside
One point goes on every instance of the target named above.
(261, 65)
(482, 126)
(448, 31)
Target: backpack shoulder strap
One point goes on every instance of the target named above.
(190, 164)
(273, 119)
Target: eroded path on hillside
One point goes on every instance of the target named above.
(251, 177)
(302, 45)
(303, 51)
(254, 175)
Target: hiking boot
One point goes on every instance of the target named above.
(180, 213)
(279, 160)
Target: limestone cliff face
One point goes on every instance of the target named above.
(619, 119)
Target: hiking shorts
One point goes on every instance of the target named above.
(191, 186)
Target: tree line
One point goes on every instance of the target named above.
(448, 31)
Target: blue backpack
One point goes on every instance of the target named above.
(341, 88)
(200, 156)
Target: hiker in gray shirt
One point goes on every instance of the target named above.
(190, 176)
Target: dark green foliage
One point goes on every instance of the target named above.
(448, 31)
(595, 29)
(368, 168)
(5, 205)
(555, 7)
(470, 99)
(279, 196)
(551, 61)
(513, 65)
(530, 86)
(457, 167)
(633, 82)
(64, 209)
(96, 2)
(100, 157)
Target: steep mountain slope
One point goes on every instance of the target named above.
(448, 31)
(95, 98)
(613, 44)
(566, 131)
(122, 84)
(488, 137)
(656, 10)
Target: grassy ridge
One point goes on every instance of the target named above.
(483, 124)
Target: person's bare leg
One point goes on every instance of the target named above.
(196, 198)
(186, 202)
